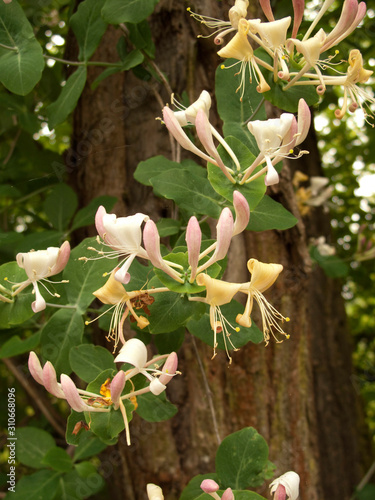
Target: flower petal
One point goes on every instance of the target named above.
(133, 352)
(72, 395)
(50, 381)
(263, 275)
(39, 304)
(242, 209)
(35, 368)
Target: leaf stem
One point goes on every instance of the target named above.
(83, 63)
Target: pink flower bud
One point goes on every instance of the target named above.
(228, 494)
(209, 486)
(169, 368)
(241, 207)
(193, 241)
(35, 368)
(117, 386)
(50, 381)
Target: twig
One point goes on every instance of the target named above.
(12, 146)
(208, 391)
(36, 398)
(256, 111)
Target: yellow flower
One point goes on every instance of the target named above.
(263, 276)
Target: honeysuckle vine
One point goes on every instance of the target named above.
(147, 279)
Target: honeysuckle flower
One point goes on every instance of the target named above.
(273, 36)
(276, 138)
(124, 236)
(222, 28)
(218, 293)
(239, 48)
(39, 265)
(186, 116)
(134, 352)
(263, 277)
(123, 304)
(197, 114)
(110, 396)
(154, 492)
(151, 240)
(286, 486)
(311, 50)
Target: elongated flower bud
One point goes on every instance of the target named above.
(241, 207)
(193, 242)
(209, 486)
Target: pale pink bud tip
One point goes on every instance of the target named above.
(169, 368)
(35, 368)
(280, 493)
(228, 494)
(209, 486)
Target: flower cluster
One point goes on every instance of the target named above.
(218, 292)
(111, 395)
(276, 139)
(301, 50)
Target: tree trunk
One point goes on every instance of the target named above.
(297, 394)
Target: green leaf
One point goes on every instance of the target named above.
(88, 27)
(88, 361)
(21, 69)
(241, 459)
(189, 191)
(88, 446)
(86, 216)
(58, 460)
(269, 214)
(85, 277)
(332, 265)
(169, 342)
(40, 241)
(141, 37)
(36, 486)
(60, 205)
(192, 491)
(58, 111)
(32, 445)
(201, 328)
(15, 346)
(80, 435)
(253, 191)
(62, 331)
(80, 483)
(234, 112)
(170, 311)
(167, 227)
(127, 11)
(152, 167)
(155, 408)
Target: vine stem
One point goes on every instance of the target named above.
(36, 398)
(208, 392)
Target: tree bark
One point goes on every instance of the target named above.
(298, 394)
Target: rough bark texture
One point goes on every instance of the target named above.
(297, 394)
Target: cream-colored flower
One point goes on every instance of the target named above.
(263, 277)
